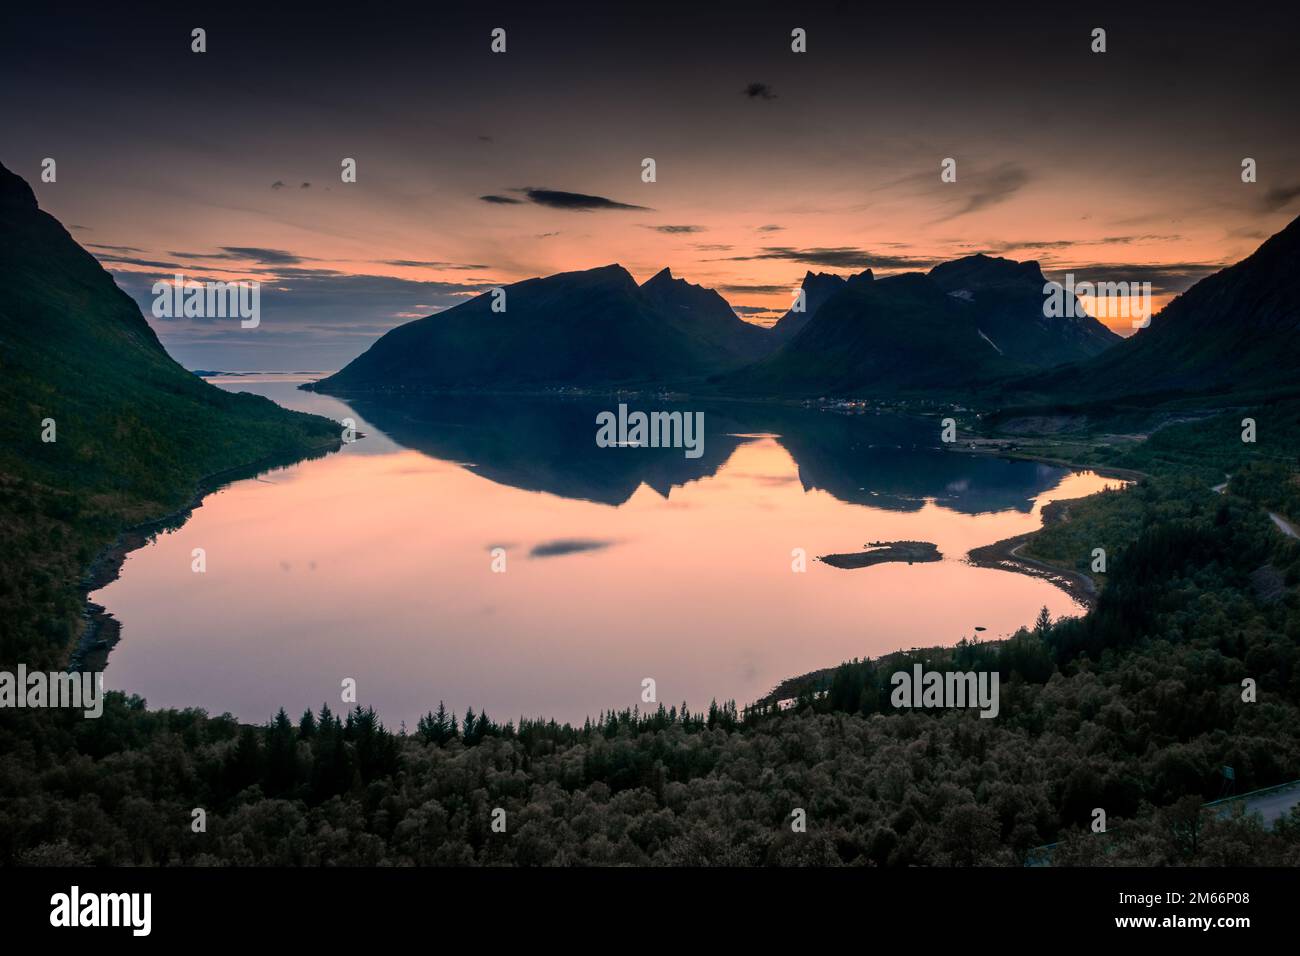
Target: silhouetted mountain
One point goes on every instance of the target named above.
(704, 314)
(1006, 300)
(594, 328)
(967, 322)
(99, 429)
(1234, 332)
(818, 287)
(75, 348)
(899, 333)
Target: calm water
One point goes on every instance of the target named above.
(375, 563)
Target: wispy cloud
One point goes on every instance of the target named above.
(270, 257)
(1280, 196)
(759, 91)
(428, 264)
(560, 199)
(838, 257)
(675, 230)
(989, 189)
(563, 546)
(1165, 278)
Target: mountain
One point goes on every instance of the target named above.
(1234, 332)
(134, 433)
(705, 314)
(593, 328)
(1006, 298)
(899, 333)
(965, 323)
(818, 287)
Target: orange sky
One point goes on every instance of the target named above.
(1120, 167)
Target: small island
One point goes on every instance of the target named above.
(882, 551)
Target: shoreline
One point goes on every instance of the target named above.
(1005, 555)
(100, 631)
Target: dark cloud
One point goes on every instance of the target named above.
(751, 309)
(562, 546)
(117, 249)
(305, 186)
(712, 246)
(425, 264)
(133, 261)
(839, 257)
(269, 257)
(325, 299)
(989, 189)
(278, 184)
(759, 91)
(1011, 245)
(575, 202)
(1165, 279)
(675, 230)
(1279, 196)
(769, 228)
(502, 200)
(757, 289)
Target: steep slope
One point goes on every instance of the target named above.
(900, 333)
(594, 328)
(1233, 333)
(704, 315)
(134, 432)
(1006, 300)
(818, 288)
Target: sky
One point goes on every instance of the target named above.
(476, 169)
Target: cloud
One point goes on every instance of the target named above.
(1165, 278)
(559, 199)
(759, 91)
(563, 546)
(117, 249)
(991, 188)
(751, 309)
(133, 261)
(314, 302)
(675, 230)
(268, 257)
(756, 289)
(1279, 196)
(425, 264)
(305, 186)
(769, 228)
(576, 202)
(839, 257)
(1011, 245)
(712, 246)
(278, 184)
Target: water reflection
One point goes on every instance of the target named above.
(376, 562)
(886, 461)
